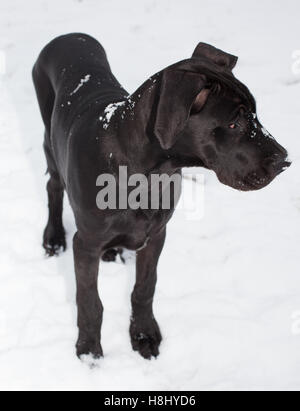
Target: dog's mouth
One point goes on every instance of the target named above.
(283, 166)
(256, 181)
(253, 182)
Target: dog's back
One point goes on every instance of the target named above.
(72, 78)
(67, 64)
(76, 56)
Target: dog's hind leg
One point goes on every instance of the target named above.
(54, 234)
(111, 255)
(144, 330)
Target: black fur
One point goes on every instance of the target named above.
(194, 113)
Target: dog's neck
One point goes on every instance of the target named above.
(132, 123)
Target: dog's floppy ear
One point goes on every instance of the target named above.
(178, 93)
(218, 57)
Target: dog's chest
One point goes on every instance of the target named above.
(138, 227)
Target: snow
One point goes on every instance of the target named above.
(83, 81)
(109, 112)
(228, 295)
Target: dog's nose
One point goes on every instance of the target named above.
(276, 164)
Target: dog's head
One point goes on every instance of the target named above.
(206, 116)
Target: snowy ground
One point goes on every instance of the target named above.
(229, 317)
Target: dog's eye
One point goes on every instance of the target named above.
(233, 126)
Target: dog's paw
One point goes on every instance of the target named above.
(146, 339)
(90, 361)
(88, 351)
(110, 256)
(54, 240)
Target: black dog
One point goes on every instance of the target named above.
(194, 113)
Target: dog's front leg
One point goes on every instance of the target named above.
(90, 309)
(144, 330)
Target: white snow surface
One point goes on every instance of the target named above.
(228, 295)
